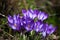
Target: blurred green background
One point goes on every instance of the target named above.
(52, 7)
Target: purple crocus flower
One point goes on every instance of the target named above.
(29, 25)
(47, 29)
(42, 16)
(30, 13)
(38, 25)
(14, 22)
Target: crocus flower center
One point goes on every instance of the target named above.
(28, 26)
(15, 25)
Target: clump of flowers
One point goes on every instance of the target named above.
(28, 22)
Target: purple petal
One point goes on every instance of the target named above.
(42, 16)
(44, 34)
(16, 22)
(45, 17)
(10, 19)
(36, 12)
(24, 12)
(15, 18)
(37, 26)
(12, 26)
(30, 13)
(51, 29)
(29, 26)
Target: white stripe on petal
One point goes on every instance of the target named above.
(13, 27)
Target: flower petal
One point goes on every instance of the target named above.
(10, 19)
(42, 16)
(44, 34)
(15, 18)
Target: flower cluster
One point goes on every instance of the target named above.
(16, 22)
